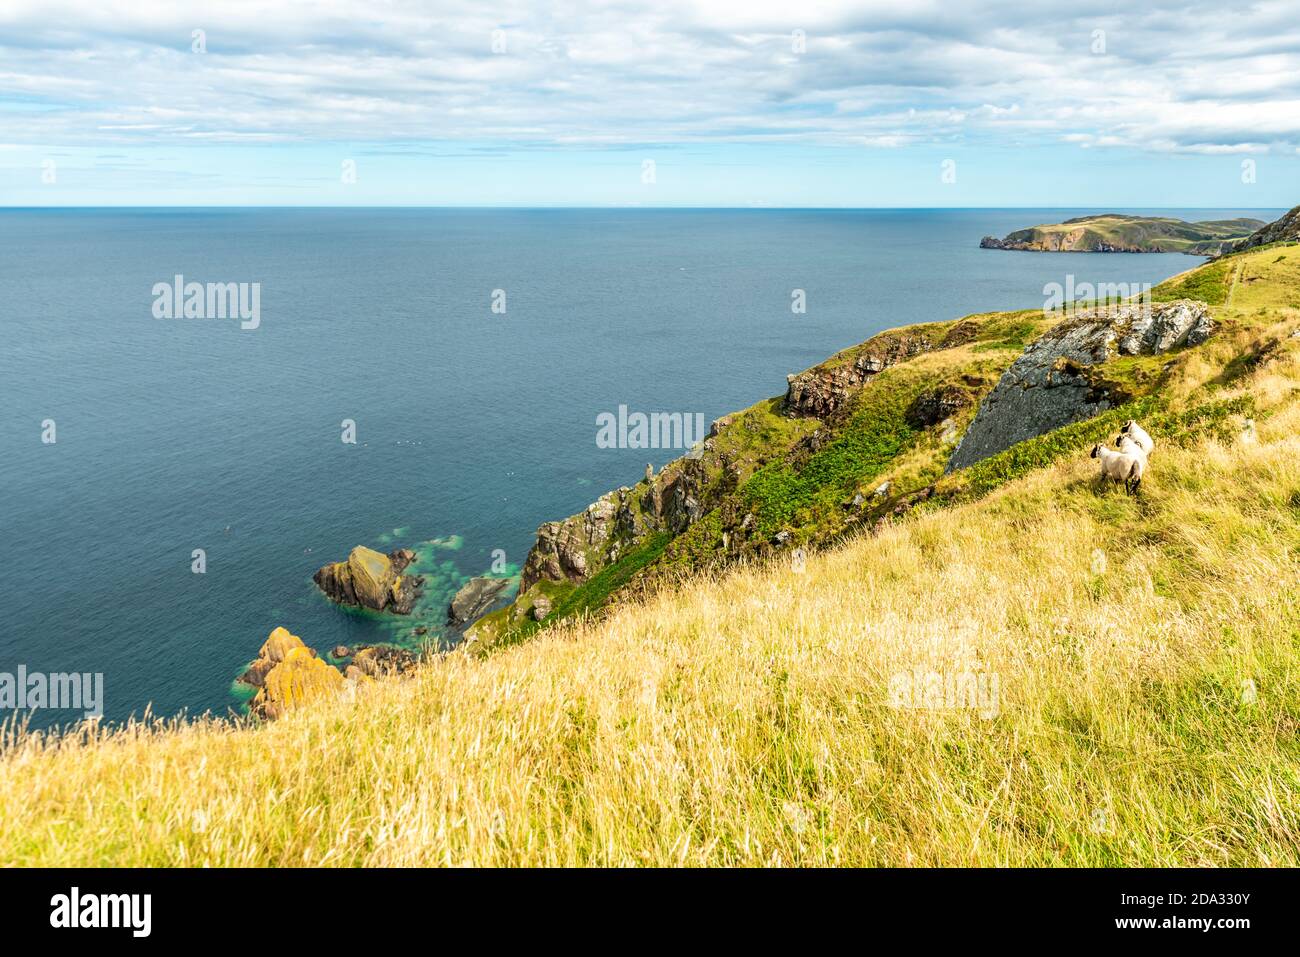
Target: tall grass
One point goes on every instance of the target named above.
(1147, 660)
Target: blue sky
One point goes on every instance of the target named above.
(653, 104)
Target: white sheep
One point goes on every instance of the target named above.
(1140, 436)
(1120, 466)
(1127, 444)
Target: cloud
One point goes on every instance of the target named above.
(1160, 76)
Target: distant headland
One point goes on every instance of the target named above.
(1118, 233)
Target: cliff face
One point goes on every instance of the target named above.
(1056, 381)
(575, 549)
(1286, 229)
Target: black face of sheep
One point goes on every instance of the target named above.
(1096, 451)
(1119, 438)
(1127, 426)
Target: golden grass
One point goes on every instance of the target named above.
(1146, 654)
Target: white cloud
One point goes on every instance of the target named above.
(1176, 76)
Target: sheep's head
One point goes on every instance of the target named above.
(1128, 425)
(1096, 450)
(1119, 439)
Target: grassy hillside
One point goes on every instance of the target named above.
(1024, 669)
(1115, 232)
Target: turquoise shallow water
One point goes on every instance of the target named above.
(472, 427)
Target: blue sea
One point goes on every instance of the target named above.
(472, 425)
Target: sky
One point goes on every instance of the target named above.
(657, 103)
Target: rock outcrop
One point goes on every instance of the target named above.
(1164, 326)
(370, 579)
(934, 406)
(287, 675)
(1286, 229)
(381, 661)
(273, 651)
(820, 391)
(1056, 382)
(474, 598)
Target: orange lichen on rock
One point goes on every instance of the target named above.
(290, 674)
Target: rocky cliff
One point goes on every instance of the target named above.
(1057, 380)
(729, 498)
(855, 442)
(1284, 230)
(573, 550)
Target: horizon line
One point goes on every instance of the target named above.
(606, 208)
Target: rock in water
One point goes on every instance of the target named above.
(372, 580)
(1053, 383)
(380, 661)
(288, 674)
(274, 650)
(474, 598)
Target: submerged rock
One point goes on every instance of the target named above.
(370, 579)
(1054, 383)
(475, 597)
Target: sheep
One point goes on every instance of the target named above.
(1129, 446)
(1120, 466)
(1140, 436)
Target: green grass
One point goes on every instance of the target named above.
(783, 496)
(1209, 284)
(1210, 419)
